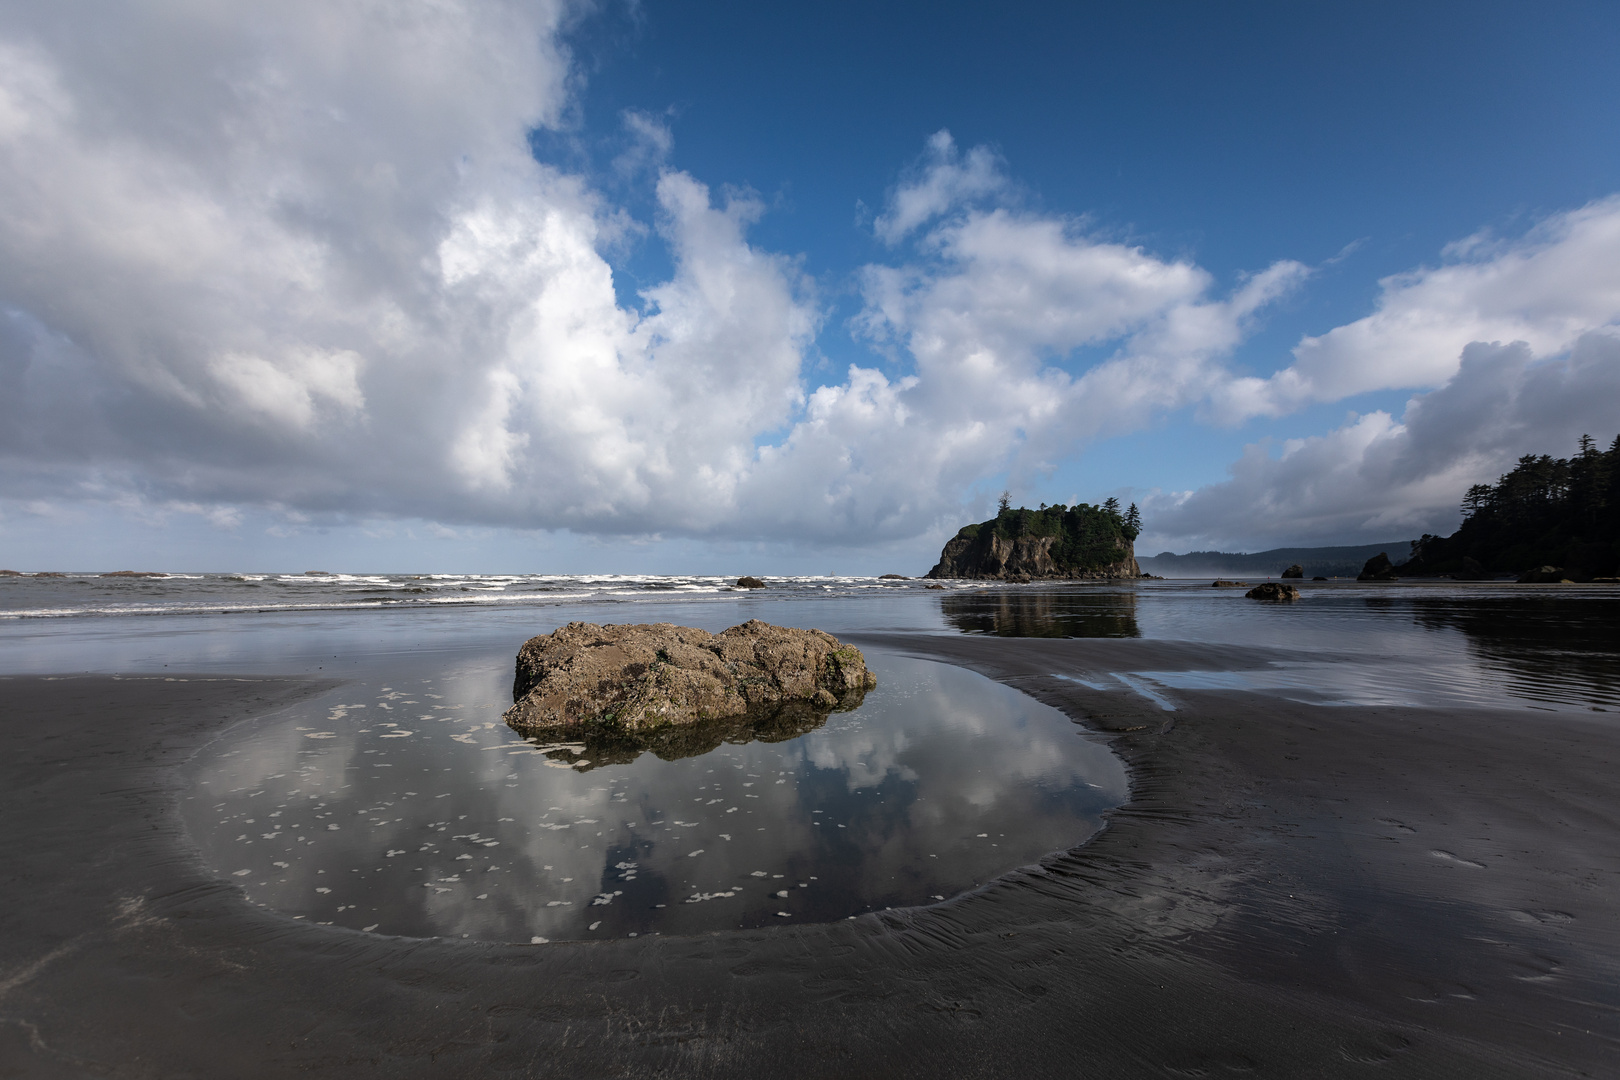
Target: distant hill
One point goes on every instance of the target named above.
(1317, 561)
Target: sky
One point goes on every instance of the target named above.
(659, 287)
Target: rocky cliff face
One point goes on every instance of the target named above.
(987, 554)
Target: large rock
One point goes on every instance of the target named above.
(1295, 571)
(1378, 568)
(641, 678)
(1273, 590)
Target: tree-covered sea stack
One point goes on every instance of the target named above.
(1055, 543)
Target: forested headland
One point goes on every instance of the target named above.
(1547, 511)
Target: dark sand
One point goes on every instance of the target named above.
(1292, 891)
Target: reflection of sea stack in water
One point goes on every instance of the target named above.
(1043, 613)
(644, 678)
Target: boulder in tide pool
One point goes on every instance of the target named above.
(641, 678)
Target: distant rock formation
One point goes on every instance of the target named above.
(1222, 583)
(1295, 571)
(893, 577)
(133, 574)
(1544, 575)
(10, 573)
(1378, 568)
(1319, 577)
(643, 678)
(1273, 590)
(1058, 543)
(318, 573)
(749, 583)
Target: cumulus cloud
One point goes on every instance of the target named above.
(1378, 476)
(301, 257)
(940, 182)
(1017, 338)
(1546, 289)
(303, 254)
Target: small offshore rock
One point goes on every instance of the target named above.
(1319, 578)
(936, 586)
(640, 678)
(1378, 568)
(318, 573)
(1544, 575)
(1295, 571)
(893, 577)
(10, 573)
(1273, 590)
(1222, 583)
(750, 583)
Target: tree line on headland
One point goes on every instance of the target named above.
(1561, 513)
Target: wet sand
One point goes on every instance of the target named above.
(1293, 890)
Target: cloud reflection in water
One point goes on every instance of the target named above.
(940, 781)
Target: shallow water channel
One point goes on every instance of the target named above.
(402, 804)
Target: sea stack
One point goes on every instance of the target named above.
(1378, 568)
(1056, 543)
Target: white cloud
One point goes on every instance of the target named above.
(1546, 289)
(307, 261)
(942, 181)
(300, 257)
(1377, 477)
(986, 323)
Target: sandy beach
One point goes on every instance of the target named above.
(1292, 890)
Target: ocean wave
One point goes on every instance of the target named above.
(83, 594)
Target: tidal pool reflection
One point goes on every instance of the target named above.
(405, 806)
(1032, 611)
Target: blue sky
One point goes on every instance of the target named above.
(683, 288)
